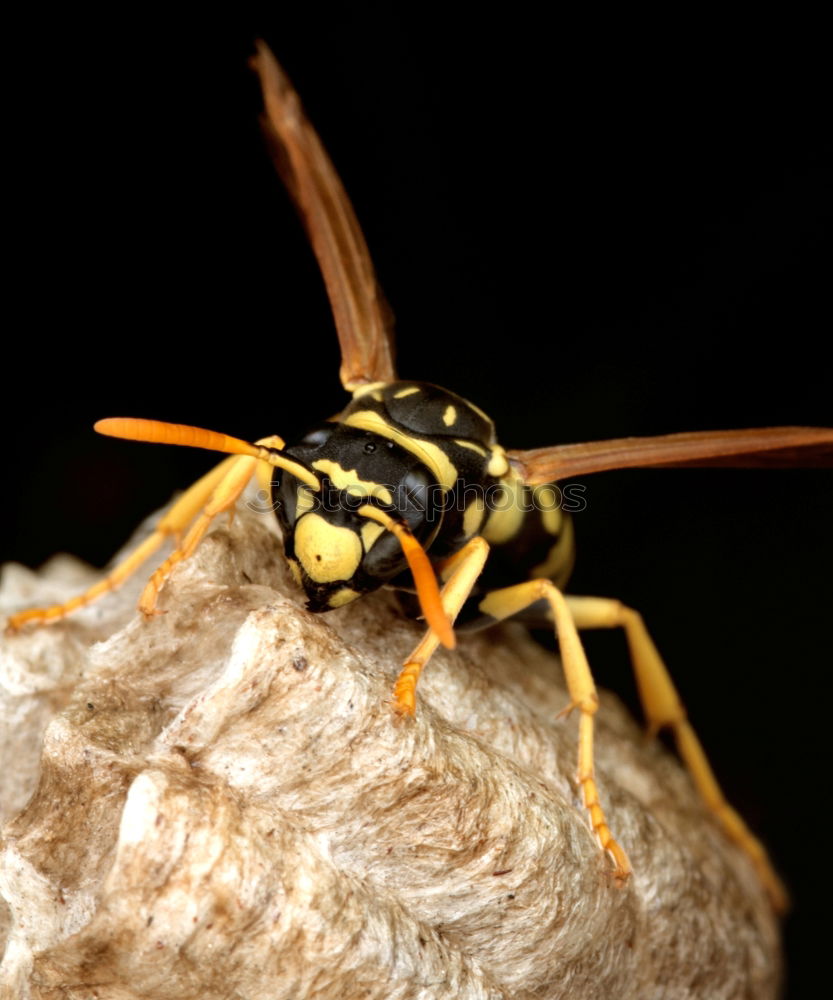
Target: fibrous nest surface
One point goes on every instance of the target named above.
(221, 803)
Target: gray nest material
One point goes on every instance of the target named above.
(221, 803)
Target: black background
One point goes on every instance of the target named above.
(589, 229)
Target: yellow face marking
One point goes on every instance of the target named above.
(548, 503)
(406, 392)
(370, 387)
(348, 479)
(498, 463)
(326, 551)
(432, 455)
(343, 596)
(473, 517)
(471, 446)
(506, 516)
(370, 532)
(450, 415)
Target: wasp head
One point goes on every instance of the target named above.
(336, 549)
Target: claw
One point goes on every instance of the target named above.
(566, 711)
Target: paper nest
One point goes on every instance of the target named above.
(221, 803)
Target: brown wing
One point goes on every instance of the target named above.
(762, 447)
(362, 318)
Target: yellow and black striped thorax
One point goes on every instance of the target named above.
(429, 458)
(528, 531)
(451, 436)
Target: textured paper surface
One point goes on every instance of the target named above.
(224, 805)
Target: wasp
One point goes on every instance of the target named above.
(409, 488)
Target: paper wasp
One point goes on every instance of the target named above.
(344, 551)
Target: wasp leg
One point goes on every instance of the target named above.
(501, 604)
(225, 496)
(226, 493)
(216, 491)
(460, 572)
(172, 524)
(663, 708)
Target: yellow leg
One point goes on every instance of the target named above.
(226, 491)
(264, 477)
(172, 524)
(663, 708)
(223, 498)
(461, 572)
(509, 601)
(223, 485)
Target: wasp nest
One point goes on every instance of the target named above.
(220, 803)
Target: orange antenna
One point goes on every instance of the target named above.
(159, 432)
(422, 571)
